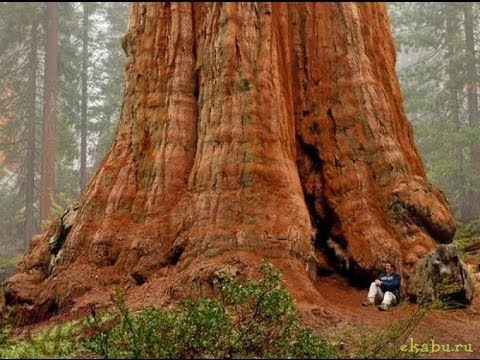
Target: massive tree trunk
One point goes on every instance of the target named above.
(47, 180)
(248, 131)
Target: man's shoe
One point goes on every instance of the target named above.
(383, 307)
(367, 302)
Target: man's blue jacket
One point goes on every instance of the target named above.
(391, 283)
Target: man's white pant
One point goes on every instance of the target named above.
(375, 294)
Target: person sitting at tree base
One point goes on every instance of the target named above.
(385, 289)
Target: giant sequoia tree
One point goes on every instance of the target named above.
(248, 131)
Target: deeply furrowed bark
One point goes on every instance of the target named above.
(248, 131)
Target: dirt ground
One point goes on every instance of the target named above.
(343, 309)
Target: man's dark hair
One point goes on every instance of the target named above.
(392, 263)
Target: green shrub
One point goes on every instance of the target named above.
(251, 319)
(4, 329)
(60, 341)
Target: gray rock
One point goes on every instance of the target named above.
(442, 277)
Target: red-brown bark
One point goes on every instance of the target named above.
(50, 89)
(248, 131)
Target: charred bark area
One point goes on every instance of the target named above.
(321, 217)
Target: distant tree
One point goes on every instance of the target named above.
(31, 127)
(111, 79)
(21, 38)
(22, 55)
(50, 93)
(83, 126)
(472, 210)
(90, 87)
(440, 90)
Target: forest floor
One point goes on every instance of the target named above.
(366, 332)
(349, 323)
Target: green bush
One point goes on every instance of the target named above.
(251, 319)
(60, 341)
